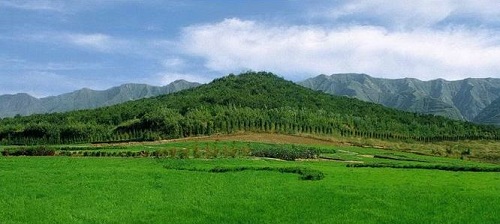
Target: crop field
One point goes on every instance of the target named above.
(230, 181)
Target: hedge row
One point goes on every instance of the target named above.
(289, 153)
(398, 158)
(29, 151)
(304, 173)
(182, 153)
(429, 167)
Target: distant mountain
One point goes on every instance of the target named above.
(24, 104)
(462, 100)
(490, 114)
(20, 103)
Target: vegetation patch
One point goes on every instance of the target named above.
(428, 167)
(400, 158)
(284, 152)
(304, 173)
(29, 151)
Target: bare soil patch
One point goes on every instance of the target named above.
(263, 137)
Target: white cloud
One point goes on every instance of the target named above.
(302, 51)
(174, 63)
(408, 14)
(69, 6)
(7, 64)
(88, 41)
(34, 5)
(96, 41)
(401, 14)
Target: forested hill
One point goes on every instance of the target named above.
(260, 102)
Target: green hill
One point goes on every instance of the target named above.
(259, 102)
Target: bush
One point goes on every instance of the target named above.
(429, 167)
(289, 153)
(184, 153)
(304, 173)
(29, 151)
(197, 153)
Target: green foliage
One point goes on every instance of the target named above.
(29, 151)
(304, 173)
(429, 167)
(286, 152)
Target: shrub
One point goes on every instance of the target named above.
(304, 173)
(289, 153)
(211, 153)
(29, 151)
(466, 152)
(430, 167)
(196, 152)
(129, 154)
(184, 153)
(173, 153)
(64, 153)
(162, 153)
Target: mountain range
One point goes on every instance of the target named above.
(24, 104)
(251, 101)
(476, 100)
(472, 99)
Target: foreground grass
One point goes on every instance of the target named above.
(141, 190)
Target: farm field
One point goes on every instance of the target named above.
(78, 189)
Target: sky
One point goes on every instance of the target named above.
(50, 47)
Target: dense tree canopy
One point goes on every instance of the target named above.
(259, 102)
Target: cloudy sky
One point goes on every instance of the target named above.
(50, 47)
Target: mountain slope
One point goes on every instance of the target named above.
(260, 102)
(463, 99)
(23, 104)
(490, 114)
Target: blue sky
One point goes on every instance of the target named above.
(49, 47)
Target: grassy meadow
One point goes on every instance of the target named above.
(90, 189)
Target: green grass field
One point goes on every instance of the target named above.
(64, 189)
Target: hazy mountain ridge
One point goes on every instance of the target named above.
(462, 99)
(24, 104)
(490, 114)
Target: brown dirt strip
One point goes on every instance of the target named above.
(263, 137)
(247, 137)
